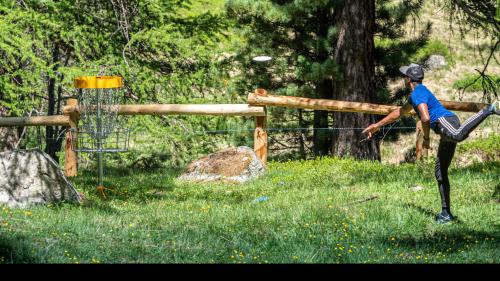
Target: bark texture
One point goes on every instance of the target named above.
(356, 82)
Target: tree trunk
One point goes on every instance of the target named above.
(322, 137)
(8, 135)
(324, 90)
(302, 149)
(354, 53)
(53, 144)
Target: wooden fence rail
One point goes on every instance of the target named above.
(184, 109)
(54, 120)
(71, 116)
(260, 97)
(255, 107)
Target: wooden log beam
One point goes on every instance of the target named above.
(184, 109)
(463, 106)
(53, 120)
(260, 97)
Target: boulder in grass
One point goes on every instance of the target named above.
(31, 177)
(435, 62)
(236, 165)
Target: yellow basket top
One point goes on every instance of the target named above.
(98, 82)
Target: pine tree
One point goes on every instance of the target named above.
(321, 44)
(482, 17)
(298, 35)
(164, 54)
(355, 52)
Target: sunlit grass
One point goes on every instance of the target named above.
(314, 213)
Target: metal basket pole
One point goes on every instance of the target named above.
(100, 96)
(99, 136)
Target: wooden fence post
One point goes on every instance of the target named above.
(71, 161)
(420, 151)
(260, 134)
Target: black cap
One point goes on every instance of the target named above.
(414, 71)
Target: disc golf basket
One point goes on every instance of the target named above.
(99, 130)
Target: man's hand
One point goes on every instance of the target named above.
(427, 143)
(370, 130)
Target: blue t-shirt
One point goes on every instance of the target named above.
(422, 95)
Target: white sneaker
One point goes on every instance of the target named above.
(495, 107)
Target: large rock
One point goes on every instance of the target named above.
(435, 62)
(236, 165)
(31, 177)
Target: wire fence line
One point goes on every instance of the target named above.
(298, 129)
(64, 131)
(145, 135)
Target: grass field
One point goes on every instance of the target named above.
(321, 211)
(328, 210)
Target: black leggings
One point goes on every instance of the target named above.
(449, 127)
(451, 132)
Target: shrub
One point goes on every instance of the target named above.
(432, 47)
(490, 146)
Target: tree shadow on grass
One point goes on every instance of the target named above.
(123, 184)
(447, 240)
(428, 212)
(496, 193)
(425, 211)
(14, 250)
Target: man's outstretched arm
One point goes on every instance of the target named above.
(391, 117)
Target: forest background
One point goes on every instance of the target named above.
(324, 210)
(200, 51)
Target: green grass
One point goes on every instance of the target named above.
(489, 147)
(433, 47)
(312, 215)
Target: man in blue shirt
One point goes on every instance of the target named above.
(445, 123)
